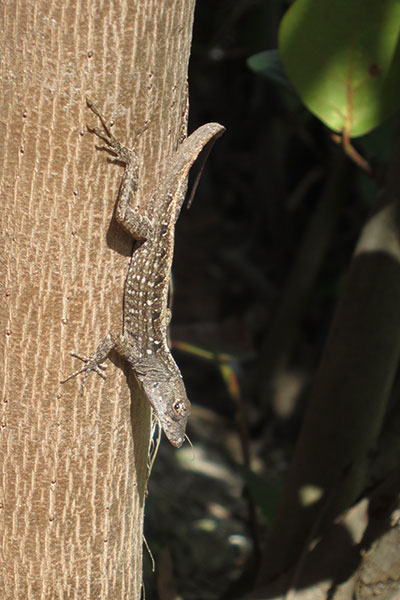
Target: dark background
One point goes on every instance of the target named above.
(234, 250)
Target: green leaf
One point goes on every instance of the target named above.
(269, 64)
(343, 58)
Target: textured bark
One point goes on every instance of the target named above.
(74, 464)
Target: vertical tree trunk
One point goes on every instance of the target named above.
(74, 464)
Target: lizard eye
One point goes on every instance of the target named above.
(177, 407)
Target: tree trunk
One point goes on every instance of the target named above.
(74, 462)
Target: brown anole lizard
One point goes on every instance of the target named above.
(143, 342)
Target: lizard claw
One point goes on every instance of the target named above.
(107, 138)
(90, 365)
(113, 146)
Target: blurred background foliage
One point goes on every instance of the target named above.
(261, 258)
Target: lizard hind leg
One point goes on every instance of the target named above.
(121, 152)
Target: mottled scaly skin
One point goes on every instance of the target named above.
(143, 342)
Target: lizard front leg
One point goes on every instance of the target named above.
(95, 360)
(123, 346)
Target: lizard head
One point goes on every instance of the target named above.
(167, 395)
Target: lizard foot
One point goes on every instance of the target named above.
(90, 365)
(122, 153)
